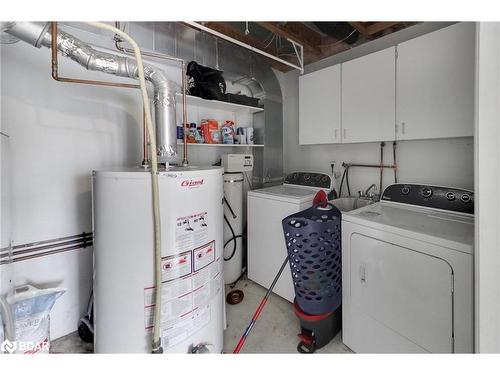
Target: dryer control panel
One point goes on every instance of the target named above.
(440, 197)
(314, 180)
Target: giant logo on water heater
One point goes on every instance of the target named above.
(192, 183)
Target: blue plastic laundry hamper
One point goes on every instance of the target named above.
(313, 240)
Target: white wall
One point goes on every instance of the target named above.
(487, 256)
(447, 162)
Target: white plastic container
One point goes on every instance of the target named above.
(192, 292)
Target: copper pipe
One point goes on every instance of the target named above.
(349, 165)
(382, 144)
(394, 162)
(84, 235)
(55, 67)
(185, 161)
(39, 255)
(45, 247)
(55, 75)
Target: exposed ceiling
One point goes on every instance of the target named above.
(319, 39)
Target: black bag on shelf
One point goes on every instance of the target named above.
(205, 82)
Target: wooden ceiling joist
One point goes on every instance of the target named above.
(379, 26)
(367, 29)
(360, 27)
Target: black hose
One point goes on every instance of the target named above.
(347, 182)
(342, 182)
(229, 207)
(333, 194)
(232, 238)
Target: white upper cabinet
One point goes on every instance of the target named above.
(319, 106)
(435, 84)
(369, 97)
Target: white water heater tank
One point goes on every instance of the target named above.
(192, 290)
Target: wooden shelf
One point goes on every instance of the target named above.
(180, 143)
(218, 105)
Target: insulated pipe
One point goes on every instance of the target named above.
(55, 66)
(37, 34)
(120, 48)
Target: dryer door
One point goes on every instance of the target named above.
(409, 292)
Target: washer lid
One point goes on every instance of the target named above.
(454, 231)
(285, 193)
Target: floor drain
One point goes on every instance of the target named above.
(234, 297)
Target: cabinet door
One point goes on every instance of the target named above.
(369, 97)
(319, 106)
(435, 84)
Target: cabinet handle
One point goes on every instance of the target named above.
(345, 133)
(335, 133)
(362, 274)
(403, 127)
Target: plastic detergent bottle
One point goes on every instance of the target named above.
(227, 132)
(191, 135)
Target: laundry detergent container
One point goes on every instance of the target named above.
(313, 241)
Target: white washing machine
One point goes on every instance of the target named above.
(266, 243)
(407, 264)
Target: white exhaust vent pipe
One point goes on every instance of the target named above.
(38, 34)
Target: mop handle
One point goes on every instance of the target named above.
(259, 309)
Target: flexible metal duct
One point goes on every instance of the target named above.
(38, 34)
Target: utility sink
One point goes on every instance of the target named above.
(346, 204)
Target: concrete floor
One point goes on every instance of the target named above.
(275, 331)
(70, 344)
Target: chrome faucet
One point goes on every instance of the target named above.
(369, 193)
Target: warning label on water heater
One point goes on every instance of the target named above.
(191, 231)
(203, 256)
(176, 266)
(187, 292)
